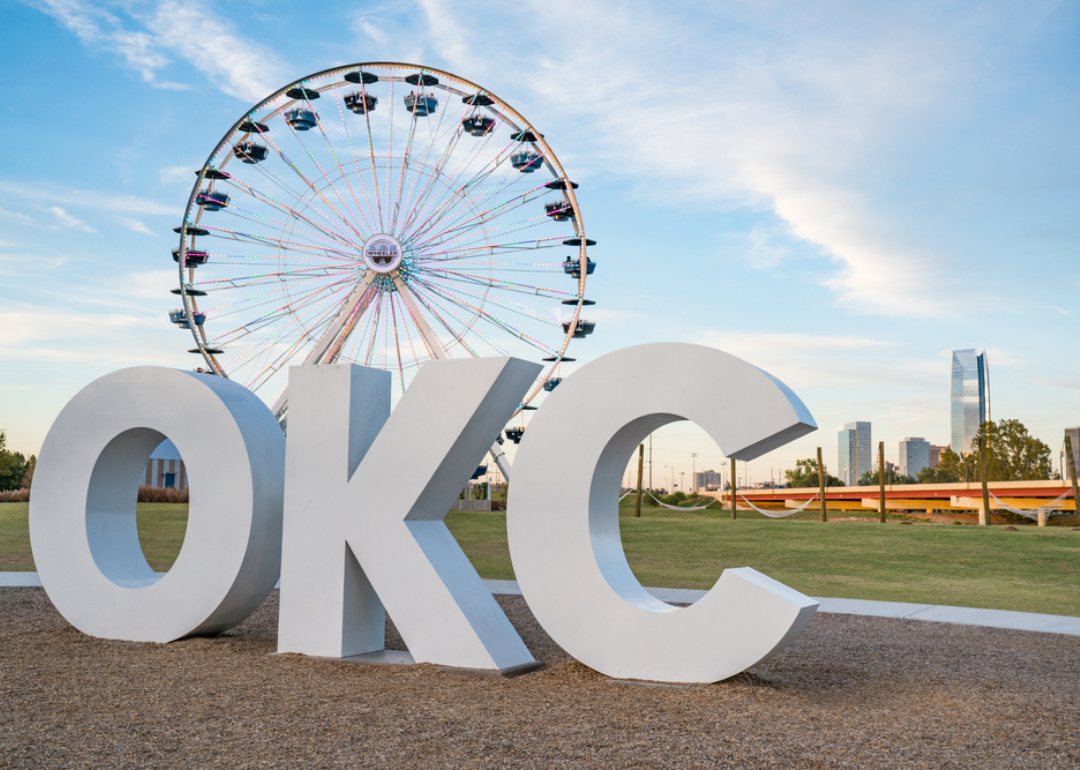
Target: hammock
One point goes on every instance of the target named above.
(1034, 513)
(679, 507)
(777, 514)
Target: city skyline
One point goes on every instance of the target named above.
(861, 191)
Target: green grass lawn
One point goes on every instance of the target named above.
(1032, 569)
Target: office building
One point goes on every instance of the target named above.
(708, 480)
(914, 456)
(935, 454)
(969, 400)
(854, 452)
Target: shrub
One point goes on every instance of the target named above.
(15, 496)
(148, 494)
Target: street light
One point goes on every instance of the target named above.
(693, 471)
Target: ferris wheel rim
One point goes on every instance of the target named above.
(211, 170)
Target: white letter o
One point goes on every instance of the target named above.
(82, 509)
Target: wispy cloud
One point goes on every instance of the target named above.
(450, 39)
(135, 225)
(89, 199)
(146, 43)
(67, 220)
(24, 218)
(241, 67)
(99, 29)
(177, 174)
(779, 107)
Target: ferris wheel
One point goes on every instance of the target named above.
(386, 215)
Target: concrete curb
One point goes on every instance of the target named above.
(971, 616)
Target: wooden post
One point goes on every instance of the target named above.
(881, 480)
(984, 516)
(1072, 474)
(821, 484)
(640, 470)
(733, 514)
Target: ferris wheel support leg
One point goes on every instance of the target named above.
(501, 460)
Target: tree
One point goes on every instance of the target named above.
(806, 475)
(1012, 454)
(951, 468)
(12, 467)
(28, 478)
(892, 476)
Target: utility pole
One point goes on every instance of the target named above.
(650, 462)
(881, 480)
(984, 516)
(733, 515)
(640, 463)
(1072, 472)
(693, 471)
(821, 484)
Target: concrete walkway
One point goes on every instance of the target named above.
(1017, 621)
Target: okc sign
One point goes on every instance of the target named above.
(350, 514)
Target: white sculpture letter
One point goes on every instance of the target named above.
(82, 514)
(364, 509)
(563, 518)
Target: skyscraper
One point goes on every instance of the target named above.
(914, 456)
(853, 452)
(969, 400)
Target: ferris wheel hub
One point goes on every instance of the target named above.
(382, 253)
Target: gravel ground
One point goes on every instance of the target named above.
(850, 692)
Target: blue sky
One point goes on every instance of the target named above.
(841, 193)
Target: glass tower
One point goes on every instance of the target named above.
(969, 397)
(914, 455)
(853, 452)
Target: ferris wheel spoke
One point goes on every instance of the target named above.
(416, 207)
(397, 340)
(479, 243)
(330, 226)
(390, 153)
(454, 193)
(345, 177)
(483, 293)
(294, 311)
(505, 326)
(303, 275)
(463, 180)
(372, 225)
(443, 309)
(439, 131)
(280, 243)
(405, 158)
(497, 284)
(324, 176)
(407, 315)
(415, 301)
(310, 184)
(459, 228)
(329, 345)
(250, 216)
(447, 181)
